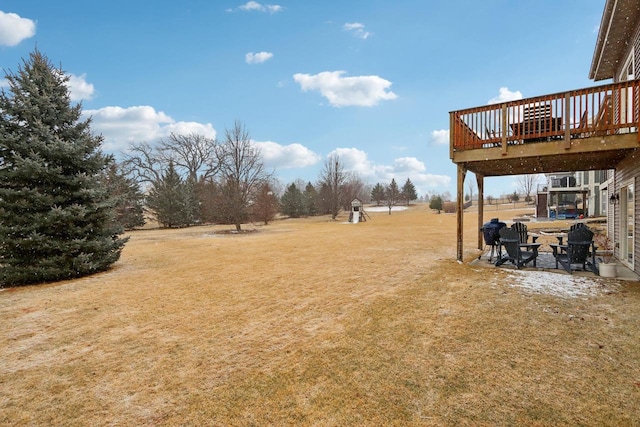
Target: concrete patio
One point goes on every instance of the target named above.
(546, 262)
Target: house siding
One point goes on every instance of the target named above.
(628, 171)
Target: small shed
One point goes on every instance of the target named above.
(357, 212)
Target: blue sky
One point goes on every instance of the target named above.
(372, 81)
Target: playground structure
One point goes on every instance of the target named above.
(357, 213)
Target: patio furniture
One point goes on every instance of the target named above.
(537, 120)
(523, 233)
(518, 253)
(579, 248)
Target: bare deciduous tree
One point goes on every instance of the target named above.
(526, 184)
(471, 187)
(193, 154)
(241, 171)
(332, 179)
(392, 193)
(143, 163)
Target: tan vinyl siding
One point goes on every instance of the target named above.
(628, 170)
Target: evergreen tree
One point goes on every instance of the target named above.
(310, 196)
(129, 201)
(292, 202)
(171, 199)
(392, 193)
(436, 203)
(377, 193)
(409, 192)
(56, 216)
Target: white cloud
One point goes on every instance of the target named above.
(14, 29)
(365, 91)
(123, 126)
(286, 156)
(505, 95)
(440, 137)
(357, 29)
(254, 6)
(355, 160)
(258, 58)
(79, 88)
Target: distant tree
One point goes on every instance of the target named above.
(242, 171)
(392, 194)
(352, 188)
(409, 192)
(170, 200)
(292, 202)
(526, 183)
(377, 194)
(332, 178)
(436, 203)
(310, 200)
(129, 200)
(513, 197)
(324, 198)
(193, 155)
(265, 206)
(208, 195)
(471, 186)
(490, 199)
(57, 218)
(144, 163)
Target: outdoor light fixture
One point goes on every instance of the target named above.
(614, 198)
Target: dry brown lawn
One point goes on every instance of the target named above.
(313, 322)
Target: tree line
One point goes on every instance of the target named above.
(64, 204)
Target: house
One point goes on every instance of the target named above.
(588, 129)
(568, 195)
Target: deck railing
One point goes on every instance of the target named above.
(595, 111)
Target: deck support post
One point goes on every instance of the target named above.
(462, 171)
(480, 182)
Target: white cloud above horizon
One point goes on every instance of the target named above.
(357, 29)
(257, 58)
(14, 29)
(121, 127)
(440, 137)
(79, 88)
(254, 6)
(505, 95)
(362, 91)
(290, 156)
(402, 168)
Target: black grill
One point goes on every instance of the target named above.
(491, 233)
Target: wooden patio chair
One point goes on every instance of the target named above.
(573, 227)
(579, 248)
(518, 253)
(523, 232)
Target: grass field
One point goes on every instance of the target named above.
(317, 322)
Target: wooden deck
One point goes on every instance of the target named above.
(585, 129)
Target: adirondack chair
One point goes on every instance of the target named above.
(517, 252)
(572, 228)
(579, 248)
(523, 233)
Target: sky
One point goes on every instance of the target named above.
(372, 81)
